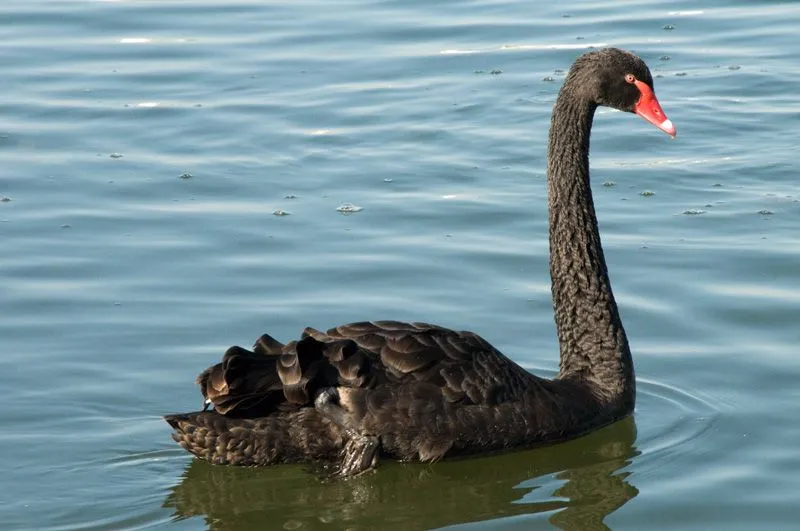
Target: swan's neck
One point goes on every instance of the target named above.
(593, 344)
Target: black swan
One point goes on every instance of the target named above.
(415, 391)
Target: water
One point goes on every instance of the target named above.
(145, 147)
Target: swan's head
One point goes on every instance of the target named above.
(617, 78)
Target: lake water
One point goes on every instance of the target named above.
(146, 146)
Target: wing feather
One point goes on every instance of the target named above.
(459, 367)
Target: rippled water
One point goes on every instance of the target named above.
(147, 146)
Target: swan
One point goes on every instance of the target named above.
(420, 392)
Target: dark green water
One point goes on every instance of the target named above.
(145, 146)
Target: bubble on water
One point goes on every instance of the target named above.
(116, 155)
(279, 212)
(609, 184)
(694, 212)
(4, 199)
(495, 71)
(765, 212)
(681, 74)
(66, 226)
(185, 175)
(669, 27)
(348, 208)
(548, 79)
(647, 193)
(290, 196)
(734, 67)
(388, 180)
(664, 58)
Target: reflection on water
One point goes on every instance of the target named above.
(578, 483)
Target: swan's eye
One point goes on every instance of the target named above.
(630, 78)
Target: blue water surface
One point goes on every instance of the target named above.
(172, 175)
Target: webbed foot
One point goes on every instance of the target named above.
(327, 403)
(359, 455)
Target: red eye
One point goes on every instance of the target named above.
(630, 78)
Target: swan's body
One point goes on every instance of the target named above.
(422, 392)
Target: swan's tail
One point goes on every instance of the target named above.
(263, 402)
(299, 435)
(217, 439)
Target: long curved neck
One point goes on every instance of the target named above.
(593, 344)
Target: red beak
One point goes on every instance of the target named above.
(648, 108)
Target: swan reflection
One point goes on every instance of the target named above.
(574, 485)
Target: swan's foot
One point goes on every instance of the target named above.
(360, 454)
(327, 404)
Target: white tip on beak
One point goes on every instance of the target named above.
(668, 128)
